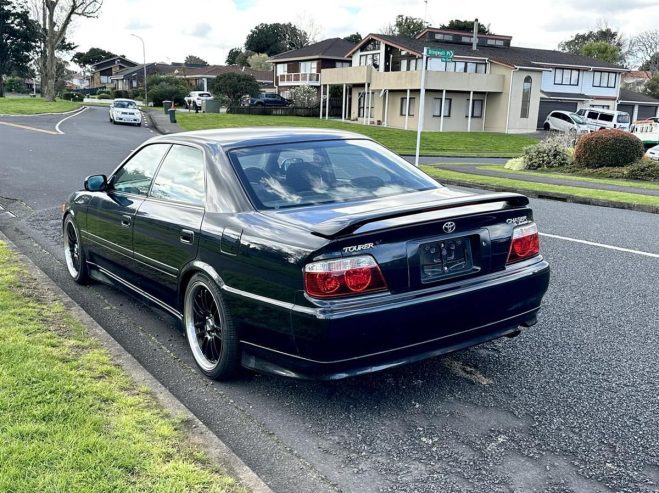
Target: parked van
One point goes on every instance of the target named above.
(599, 118)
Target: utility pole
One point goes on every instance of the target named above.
(146, 94)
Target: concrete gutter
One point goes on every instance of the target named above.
(198, 432)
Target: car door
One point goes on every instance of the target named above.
(111, 213)
(167, 223)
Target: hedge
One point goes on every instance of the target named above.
(608, 148)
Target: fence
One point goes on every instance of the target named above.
(273, 110)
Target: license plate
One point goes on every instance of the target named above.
(445, 258)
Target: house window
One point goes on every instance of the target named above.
(370, 59)
(477, 110)
(403, 107)
(308, 67)
(566, 77)
(467, 39)
(282, 68)
(362, 103)
(604, 79)
(343, 64)
(526, 96)
(410, 64)
(437, 107)
(444, 37)
(495, 42)
(105, 79)
(371, 46)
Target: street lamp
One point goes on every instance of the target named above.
(146, 94)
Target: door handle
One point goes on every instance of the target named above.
(187, 236)
(126, 221)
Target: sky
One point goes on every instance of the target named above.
(210, 28)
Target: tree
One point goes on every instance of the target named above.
(55, 17)
(195, 60)
(409, 26)
(466, 25)
(645, 46)
(275, 38)
(242, 59)
(166, 88)
(233, 54)
(259, 61)
(18, 34)
(601, 51)
(354, 38)
(91, 57)
(234, 86)
(603, 34)
(652, 87)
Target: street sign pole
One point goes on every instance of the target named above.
(422, 106)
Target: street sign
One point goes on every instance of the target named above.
(445, 55)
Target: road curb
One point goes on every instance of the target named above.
(198, 432)
(561, 197)
(45, 114)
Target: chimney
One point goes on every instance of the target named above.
(474, 39)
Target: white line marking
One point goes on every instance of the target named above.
(70, 116)
(25, 127)
(601, 245)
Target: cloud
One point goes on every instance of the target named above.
(137, 25)
(201, 30)
(611, 7)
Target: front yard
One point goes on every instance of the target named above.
(33, 106)
(400, 141)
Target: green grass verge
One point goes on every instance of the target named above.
(70, 420)
(572, 177)
(521, 186)
(400, 141)
(34, 106)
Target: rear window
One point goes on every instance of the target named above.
(604, 117)
(308, 173)
(204, 95)
(623, 118)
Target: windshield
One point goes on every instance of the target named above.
(307, 173)
(125, 104)
(577, 118)
(623, 118)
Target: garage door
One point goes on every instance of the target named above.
(627, 108)
(646, 111)
(549, 105)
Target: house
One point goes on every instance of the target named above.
(104, 70)
(303, 66)
(635, 79)
(132, 77)
(639, 106)
(200, 78)
(484, 83)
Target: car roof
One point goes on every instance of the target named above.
(564, 112)
(232, 138)
(124, 99)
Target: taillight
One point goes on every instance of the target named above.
(525, 243)
(341, 277)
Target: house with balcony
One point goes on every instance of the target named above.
(485, 85)
(200, 78)
(303, 66)
(103, 71)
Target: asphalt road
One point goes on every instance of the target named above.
(571, 405)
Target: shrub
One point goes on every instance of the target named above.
(72, 96)
(608, 148)
(304, 96)
(547, 154)
(104, 96)
(645, 169)
(167, 88)
(515, 164)
(120, 93)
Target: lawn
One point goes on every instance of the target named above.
(33, 106)
(71, 420)
(522, 186)
(400, 141)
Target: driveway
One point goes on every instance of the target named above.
(570, 405)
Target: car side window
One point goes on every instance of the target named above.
(137, 174)
(181, 177)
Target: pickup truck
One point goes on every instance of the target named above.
(195, 98)
(266, 99)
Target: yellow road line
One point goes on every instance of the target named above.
(25, 127)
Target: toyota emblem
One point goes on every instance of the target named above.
(449, 227)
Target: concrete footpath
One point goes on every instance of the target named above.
(160, 121)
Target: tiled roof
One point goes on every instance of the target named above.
(637, 97)
(162, 68)
(513, 55)
(328, 48)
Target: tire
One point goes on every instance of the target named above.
(74, 253)
(547, 126)
(210, 329)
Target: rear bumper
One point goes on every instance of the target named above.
(350, 338)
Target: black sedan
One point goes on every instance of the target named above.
(306, 253)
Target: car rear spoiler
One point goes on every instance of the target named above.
(347, 224)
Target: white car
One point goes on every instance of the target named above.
(195, 98)
(653, 153)
(566, 121)
(125, 111)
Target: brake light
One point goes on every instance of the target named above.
(525, 243)
(345, 276)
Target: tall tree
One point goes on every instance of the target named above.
(645, 46)
(603, 34)
(195, 60)
(601, 51)
(243, 58)
(55, 17)
(275, 38)
(651, 64)
(652, 87)
(232, 55)
(91, 56)
(465, 25)
(18, 34)
(353, 38)
(408, 26)
(234, 86)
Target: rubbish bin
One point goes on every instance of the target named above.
(166, 105)
(210, 106)
(172, 115)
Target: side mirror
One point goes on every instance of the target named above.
(96, 183)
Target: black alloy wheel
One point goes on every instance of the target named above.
(74, 254)
(210, 329)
